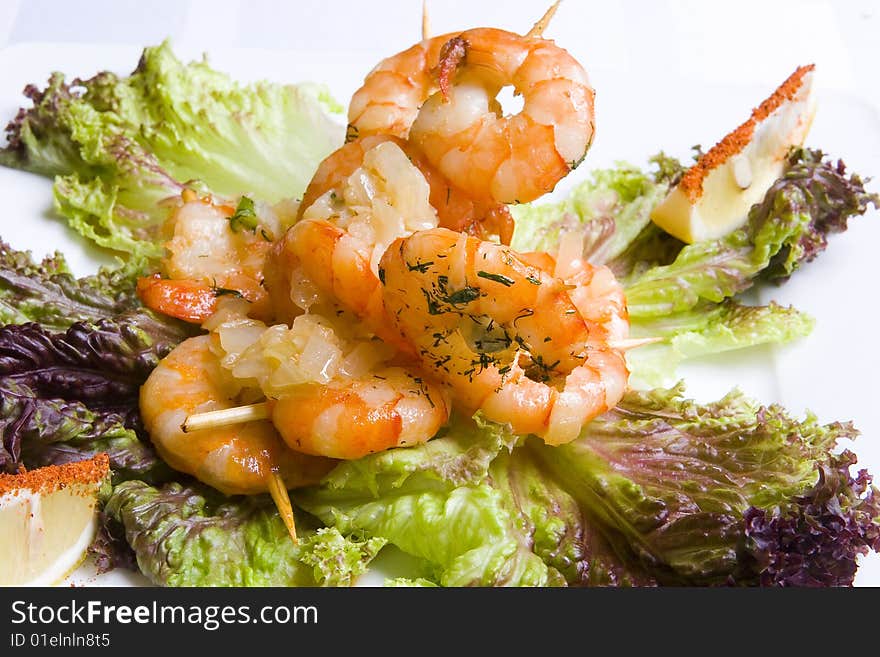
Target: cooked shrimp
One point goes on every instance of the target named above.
(505, 335)
(441, 95)
(233, 459)
(190, 301)
(348, 419)
(389, 100)
(209, 254)
(593, 289)
(455, 209)
(331, 393)
(518, 158)
(330, 256)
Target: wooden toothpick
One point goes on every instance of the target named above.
(426, 23)
(633, 343)
(538, 28)
(278, 491)
(237, 415)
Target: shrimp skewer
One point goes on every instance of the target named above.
(361, 198)
(207, 256)
(504, 335)
(263, 410)
(245, 459)
(236, 462)
(329, 393)
(454, 118)
(530, 340)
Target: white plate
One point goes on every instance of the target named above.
(832, 372)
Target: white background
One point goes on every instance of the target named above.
(745, 41)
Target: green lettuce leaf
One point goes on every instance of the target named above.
(683, 292)
(718, 328)
(264, 139)
(659, 490)
(789, 227)
(118, 146)
(474, 507)
(612, 207)
(193, 536)
(433, 501)
(47, 293)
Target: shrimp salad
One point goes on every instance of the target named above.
(344, 329)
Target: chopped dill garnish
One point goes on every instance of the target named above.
(498, 278)
(225, 291)
(420, 266)
(527, 312)
(463, 296)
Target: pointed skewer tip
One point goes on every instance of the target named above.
(278, 491)
(633, 343)
(538, 28)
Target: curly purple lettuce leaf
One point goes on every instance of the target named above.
(790, 227)
(69, 384)
(669, 481)
(816, 539)
(191, 535)
(660, 490)
(815, 188)
(37, 431)
(67, 396)
(100, 364)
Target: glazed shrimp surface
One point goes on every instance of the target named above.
(455, 209)
(441, 95)
(348, 419)
(506, 335)
(593, 290)
(389, 100)
(234, 459)
(210, 252)
(333, 393)
(330, 257)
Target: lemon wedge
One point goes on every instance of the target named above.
(47, 520)
(714, 196)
